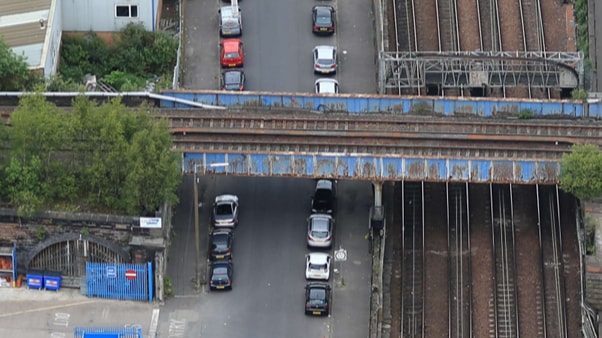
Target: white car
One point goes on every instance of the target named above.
(225, 211)
(317, 266)
(327, 86)
(325, 59)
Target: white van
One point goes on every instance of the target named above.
(230, 23)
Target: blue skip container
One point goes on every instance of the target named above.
(35, 279)
(52, 280)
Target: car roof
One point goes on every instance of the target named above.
(226, 198)
(226, 10)
(324, 184)
(233, 76)
(327, 85)
(318, 257)
(231, 44)
(324, 51)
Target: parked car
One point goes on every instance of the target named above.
(327, 86)
(233, 80)
(319, 230)
(317, 298)
(230, 21)
(221, 275)
(317, 266)
(220, 244)
(232, 53)
(323, 19)
(225, 211)
(325, 59)
(324, 198)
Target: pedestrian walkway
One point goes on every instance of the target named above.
(28, 313)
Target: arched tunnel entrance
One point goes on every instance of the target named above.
(68, 253)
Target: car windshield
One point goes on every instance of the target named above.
(323, 18)
(325, 61)
(317, 296)
(319, 228)
(220, 273)
(220, 241)
(317, 266)
(323, 195)
(223, 209)
(233, 55)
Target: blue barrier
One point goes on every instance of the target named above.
(120, 281)
(108, 332)
(388, 104)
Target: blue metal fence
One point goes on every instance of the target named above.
(108, 332)
(120, 281)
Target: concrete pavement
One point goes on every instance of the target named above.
(28, 313)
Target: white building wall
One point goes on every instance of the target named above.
(51, 52)
(100, 16)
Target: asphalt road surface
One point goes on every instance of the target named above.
(267, 299)
(278, 45)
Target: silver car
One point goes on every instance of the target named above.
(325, 59)
(225, 211)
(230, 21)
(319, 230)
(326, 86)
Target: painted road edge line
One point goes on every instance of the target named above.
(154, 323)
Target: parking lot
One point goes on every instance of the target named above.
(267, 299)
(278, 42)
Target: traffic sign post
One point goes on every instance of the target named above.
(111, 271)
(130, 274)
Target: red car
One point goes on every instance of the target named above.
(232, 53)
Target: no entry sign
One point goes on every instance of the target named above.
(130, 274)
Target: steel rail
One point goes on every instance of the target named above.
(541, 267)
(179, 121)
(495, 333)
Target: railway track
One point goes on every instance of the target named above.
(554, 319)
(504, 317)
(412, 265)
(382, 135)
(460, 272)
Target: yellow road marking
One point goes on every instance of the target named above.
(55, 307)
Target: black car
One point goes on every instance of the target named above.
(317, 299)
(220, 244)
(233, 80)
(323, 19)
(323, 201)
(221, 275)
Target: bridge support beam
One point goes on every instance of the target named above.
(377, 188)
(377, 212)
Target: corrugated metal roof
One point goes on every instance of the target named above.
(11, 7)
(24, 34)
(20, 21)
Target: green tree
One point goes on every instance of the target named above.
(14, 71)
(581, 171)
(40, 130)
(23, 185)
(153, 173)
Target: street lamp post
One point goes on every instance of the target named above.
(197, 236)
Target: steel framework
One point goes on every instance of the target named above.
(480, 69)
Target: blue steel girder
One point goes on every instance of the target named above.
(374, 167)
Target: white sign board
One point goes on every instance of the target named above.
(150, 222)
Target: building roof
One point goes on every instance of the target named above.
(23, 26)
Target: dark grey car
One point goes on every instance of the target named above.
(233, 80)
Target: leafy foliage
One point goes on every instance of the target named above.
(581, 171)
(136, 56)
(98, 157)
(14, 71)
